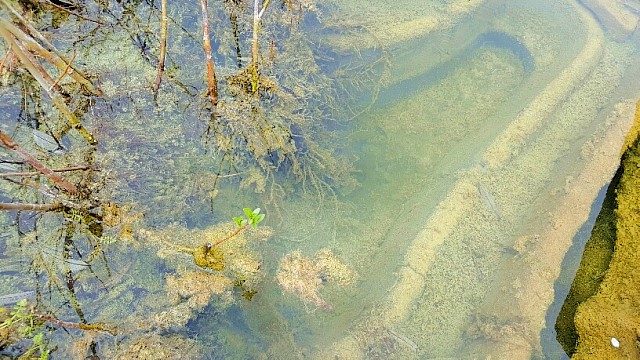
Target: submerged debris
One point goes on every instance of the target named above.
(304, 277)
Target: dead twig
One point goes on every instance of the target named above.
(30, 207)
(211, 73)
(163, 48)
(8, 143)
(67, 324)
(59, 60)
(65, 71)
(4, 59)
(258, 13)
(35, 173)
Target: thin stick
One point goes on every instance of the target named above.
(258, 13)
(65, 71)
(67, 324)
(30, 207)
(211, 73)
(45, 191)
(238, 230)
(163, 48)
(8, 142)
(35, 173)
(4, 59)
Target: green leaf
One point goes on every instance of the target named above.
(259, 218)
(248, 212)
(256, 211)
(38, 338)
(238, 220)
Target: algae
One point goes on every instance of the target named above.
(613, 311)
(597, 306)
(595, 261)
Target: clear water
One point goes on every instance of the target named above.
(470, 139)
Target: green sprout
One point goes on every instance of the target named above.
(254, 217)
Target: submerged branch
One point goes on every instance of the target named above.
(35, 173)
(8, 143)
(30, 207)
(211, 73)
(163, 48)
(67, 324)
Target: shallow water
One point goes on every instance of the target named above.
(488, 113)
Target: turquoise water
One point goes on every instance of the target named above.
(458, 129)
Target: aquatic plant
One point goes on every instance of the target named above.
(22, 323)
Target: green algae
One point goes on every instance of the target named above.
(595, 261)
(602, 302)
(613, 311)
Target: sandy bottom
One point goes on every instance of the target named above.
(477, 280)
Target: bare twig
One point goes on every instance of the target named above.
(211, 73)
(64, 72)
(8, 142)
(163, 48)
(230, 236)
(258, 13)
(30, 207)
(35, 173)
(4, 59)
(67, 324)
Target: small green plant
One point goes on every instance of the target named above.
(27, 326)
(254, 217)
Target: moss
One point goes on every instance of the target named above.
(595, 261)
(614, 311)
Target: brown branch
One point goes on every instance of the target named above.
(238, 230)
(67, 324)
(163, 48)
(65, 71)
(258, 13)
(211, 73)
(30, 207)
(4, 59)
(35, 173)
(8, 142)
